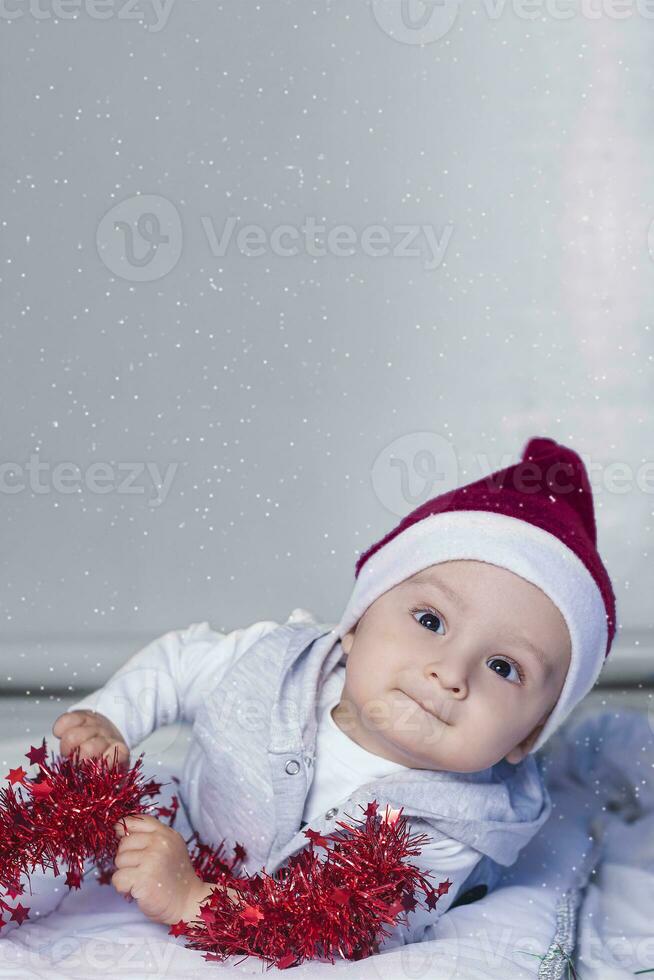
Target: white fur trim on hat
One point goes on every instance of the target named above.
(519, 546)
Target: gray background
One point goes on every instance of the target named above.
(281, 386)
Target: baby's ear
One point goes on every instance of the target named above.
(347, 640)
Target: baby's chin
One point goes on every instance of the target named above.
(446, 758)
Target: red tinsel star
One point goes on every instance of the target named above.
(39, 789)
(316, 838)
(435, 893)
(36, 755)
(409, 902)
(20, 913)
(153, 788)
(431, 899)
(178, 928)
(252, 915)
(73, 879)
(16, 775)
(239, 853)
(13, 891)
(371, 809)
(395, 908)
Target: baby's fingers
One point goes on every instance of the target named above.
(76, 736)
(100, 746)
(123, 880)
(67, 721)
(130, 858)
(92, 747)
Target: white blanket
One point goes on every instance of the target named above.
(546, 911)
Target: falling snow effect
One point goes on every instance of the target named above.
(201, 444)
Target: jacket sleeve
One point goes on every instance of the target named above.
(444, 859)
(165, 682)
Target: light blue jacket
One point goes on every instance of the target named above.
(256, 733)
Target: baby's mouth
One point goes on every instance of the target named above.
(424, 704)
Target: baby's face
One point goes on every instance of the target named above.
(440, 673)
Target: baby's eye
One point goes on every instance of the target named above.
(427, 618)
(511, 667)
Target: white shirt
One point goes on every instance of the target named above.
(341, 765)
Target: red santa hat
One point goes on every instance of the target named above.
(535, 519)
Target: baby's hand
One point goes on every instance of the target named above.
(95, 734)
(155, 868)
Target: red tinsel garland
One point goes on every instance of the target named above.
(341, 905)
(67, 819)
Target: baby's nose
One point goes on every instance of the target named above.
(450, 680)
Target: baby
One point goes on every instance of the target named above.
(473, 629)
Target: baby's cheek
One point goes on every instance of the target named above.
(378, 715)
(489, 741)
(360, 680)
